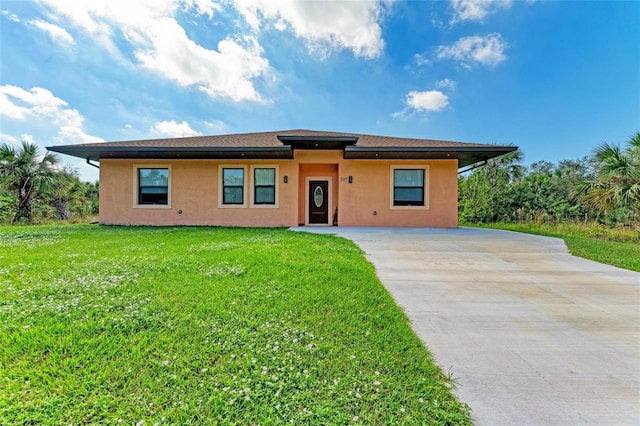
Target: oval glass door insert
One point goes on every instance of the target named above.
(318, 196)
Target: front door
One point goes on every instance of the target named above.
(318, 201)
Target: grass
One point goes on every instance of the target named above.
(614, 246)
(110, 325)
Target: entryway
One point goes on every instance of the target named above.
(318, 193)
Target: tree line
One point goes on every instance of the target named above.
(35, 188)
(603, 187)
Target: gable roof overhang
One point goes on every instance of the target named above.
(282, 144)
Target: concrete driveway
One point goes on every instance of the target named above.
(533, 334)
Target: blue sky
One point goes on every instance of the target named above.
(556, 78)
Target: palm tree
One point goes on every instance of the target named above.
(66, 192)
(24, 172)
(618, 178)
(68, 196)
(505, 167)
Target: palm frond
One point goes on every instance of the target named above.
(634, 141)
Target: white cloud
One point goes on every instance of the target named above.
(202, 7)
(227, 72)
(325, 26)
(12, 16)
(73, 135)
(427, 101)
(446, 83)
(80, 14)
(431, 100)
(41, 105)
(420, 60)
(231, 70)
(476, 10)
(162, 45)
(487, 50)
(217, 126)
(17, 103)
(57, 34)
(173, 129)
(26, 137)
(8, 139)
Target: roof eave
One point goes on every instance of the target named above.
(185, 153)
(466, 155)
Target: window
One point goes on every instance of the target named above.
(153, 186)
(233, 186)
(242, 186)
(408, 187)
(264, 181)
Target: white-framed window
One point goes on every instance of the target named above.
(409, 187)
(264, 186)
(152, 186)
(232, 186)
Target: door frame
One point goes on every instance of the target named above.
(327, 179)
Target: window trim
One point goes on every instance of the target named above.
(425, 191)
(252, 194)
(245, 183)
(136, 186)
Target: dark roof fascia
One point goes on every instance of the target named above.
(349, 140)
(186, 153)
(318, 142)
(466, 155)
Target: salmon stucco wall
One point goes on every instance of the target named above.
(368, 200)
(195, 192)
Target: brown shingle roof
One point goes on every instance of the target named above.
(268, 145)
(270, 139)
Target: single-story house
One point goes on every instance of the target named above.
(286, 178)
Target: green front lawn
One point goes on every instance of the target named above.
(110, 325)
(614, 246)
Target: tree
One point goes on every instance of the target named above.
(505, 168)
(504, 190)
(8, 205)
(69, 197)
(91, 193)
(64, 194)
(25, 173)
(617, 184)
(485, 195)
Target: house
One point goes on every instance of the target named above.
(286, 178)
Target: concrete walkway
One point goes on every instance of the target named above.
(534, 335)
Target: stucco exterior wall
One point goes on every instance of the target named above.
(368, 200)
(194, 190)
